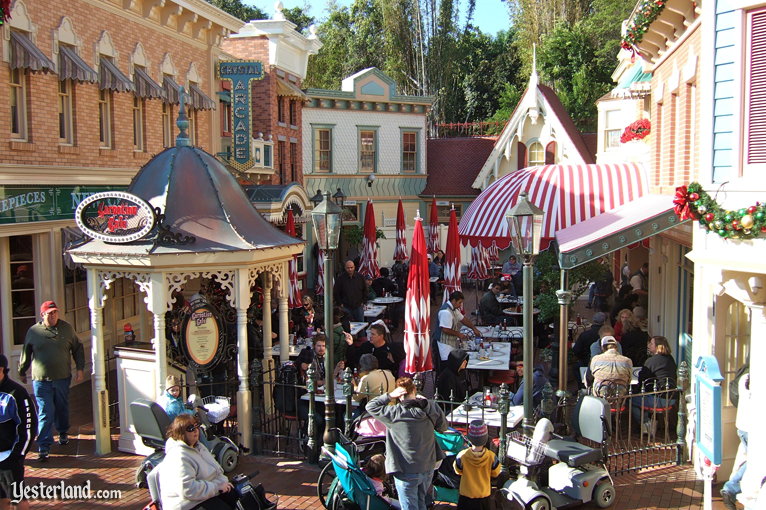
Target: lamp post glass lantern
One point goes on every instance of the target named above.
(525, 225)
(326, 218)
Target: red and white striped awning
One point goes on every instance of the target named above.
(569, 194)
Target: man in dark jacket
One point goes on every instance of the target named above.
(18, 428)
(489, 307)
(581, 347)
(411, 451)
(451, 381)
(350, 291)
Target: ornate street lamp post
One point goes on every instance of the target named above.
(326, 218)
(316, 199)
(525, 225)
(339, 198)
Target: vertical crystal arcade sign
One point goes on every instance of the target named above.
(240, 73)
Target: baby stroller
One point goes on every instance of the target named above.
(351, 489)
(446, 482)
(151, 422)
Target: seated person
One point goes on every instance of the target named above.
(389, 355)
(375, 469)
(595, 347)
(662, 367)
(434, 271)
(171, 400)
(451, 382)
(371, 294)
(373, 381)
(307, 319)
(383, 284)
(538, 383)
(512, 266)
(609, 371)
(490, 310)
(341, 337)
(190, 477)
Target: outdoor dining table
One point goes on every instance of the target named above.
(513, 313)
(490, 415)
(372, 312)
(294, 350)
(358, 327)
(387, 300)
(498, 358)
(498, 332)
(340, 398)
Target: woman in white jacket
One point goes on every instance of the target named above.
(190, 478)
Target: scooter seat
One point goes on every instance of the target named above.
(573, 453)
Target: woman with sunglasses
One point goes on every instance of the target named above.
(190, 477)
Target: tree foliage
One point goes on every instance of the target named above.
(240, 10)
(300, 17)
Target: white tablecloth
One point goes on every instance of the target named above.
(490, 416)
(358, 327)
(499, 357)
(373, 311)
(387, 300)
(340, 398)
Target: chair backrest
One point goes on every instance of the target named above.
(153, 481)
(151, 421)
(590, 419)
(357, 486)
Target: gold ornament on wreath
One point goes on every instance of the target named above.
(692, 202)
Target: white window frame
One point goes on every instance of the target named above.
(138, 110)
(66, 112)
(612, 130)
(17, 81)
(167, 125)
(105, 118)
(415, 154)
(537, 162)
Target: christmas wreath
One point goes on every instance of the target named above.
(5, 11)
(692, 202)
(646, 12)
(636, 131)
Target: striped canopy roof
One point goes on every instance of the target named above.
(568, 194)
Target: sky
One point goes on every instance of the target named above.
(490, 16)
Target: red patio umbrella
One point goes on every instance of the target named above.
(294, 297)
(417, 309)
(433, 229)
(400, 252)
(452, 258)
(320, 273)
(477, 270)
(368, 266)
(494, 256)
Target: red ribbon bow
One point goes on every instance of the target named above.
(681, 204)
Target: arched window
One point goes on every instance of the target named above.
(536, 154)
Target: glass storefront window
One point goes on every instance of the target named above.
(22, 286)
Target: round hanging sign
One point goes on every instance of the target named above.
(202, 335)
(115, 217)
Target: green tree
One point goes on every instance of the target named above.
(238, 9)
(300, 17)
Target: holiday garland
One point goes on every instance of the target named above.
(646, 12)
(636, 131)
(692, 202)
(5, 11)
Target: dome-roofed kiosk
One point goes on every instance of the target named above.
(184, 217)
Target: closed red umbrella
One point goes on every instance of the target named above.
(452, 258)
(368, 265)
(320, 273)
(417, 309)
(433, 229)
(294, 297)
(477, 270)
(494, 256)
(400, 252)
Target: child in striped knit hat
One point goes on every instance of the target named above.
(477, 466)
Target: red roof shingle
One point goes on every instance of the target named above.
(454, 163)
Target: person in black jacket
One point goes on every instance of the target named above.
(581, 347)
(660, 367)
(350, 291)
(489, 308)
(451, 381)
(18, 428)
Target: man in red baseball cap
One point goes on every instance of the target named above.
(47, 348)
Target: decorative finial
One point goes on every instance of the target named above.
(417, 216)
(533, 79)
(182, 140)
(278, 7)
(313, 31)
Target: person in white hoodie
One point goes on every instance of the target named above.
(190, 478)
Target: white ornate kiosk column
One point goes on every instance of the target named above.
(267, 329)
(284, 319)
(244, 411)
(97, 353)
(158, 304)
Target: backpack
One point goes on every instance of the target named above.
(734, 383)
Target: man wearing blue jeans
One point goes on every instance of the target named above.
(47, 348)
(744, 414)
(411, 450)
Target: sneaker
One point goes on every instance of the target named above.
(42, 455)
(729, 500)
(63, 438)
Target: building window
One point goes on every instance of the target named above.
(282, 156)
(138, 124)
(293, 161)
(105, 118)
(536, 154)
(167, 125)
(225, 118)
(123, 292)
(76, 298)
(293, 113)
(193, 126)
(66, 135)
(613, 129)
(18, 83)
(322, 150)
(409, 151)
(367, 149)
(22, 270)
(443, 211)
(280, 109)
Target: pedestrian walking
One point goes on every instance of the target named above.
(411, 449)
(18, 428)
(47, 349)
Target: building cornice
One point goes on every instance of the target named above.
(13, 174)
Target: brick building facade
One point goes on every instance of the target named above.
(91, 95)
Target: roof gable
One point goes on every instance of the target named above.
(453, 164)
